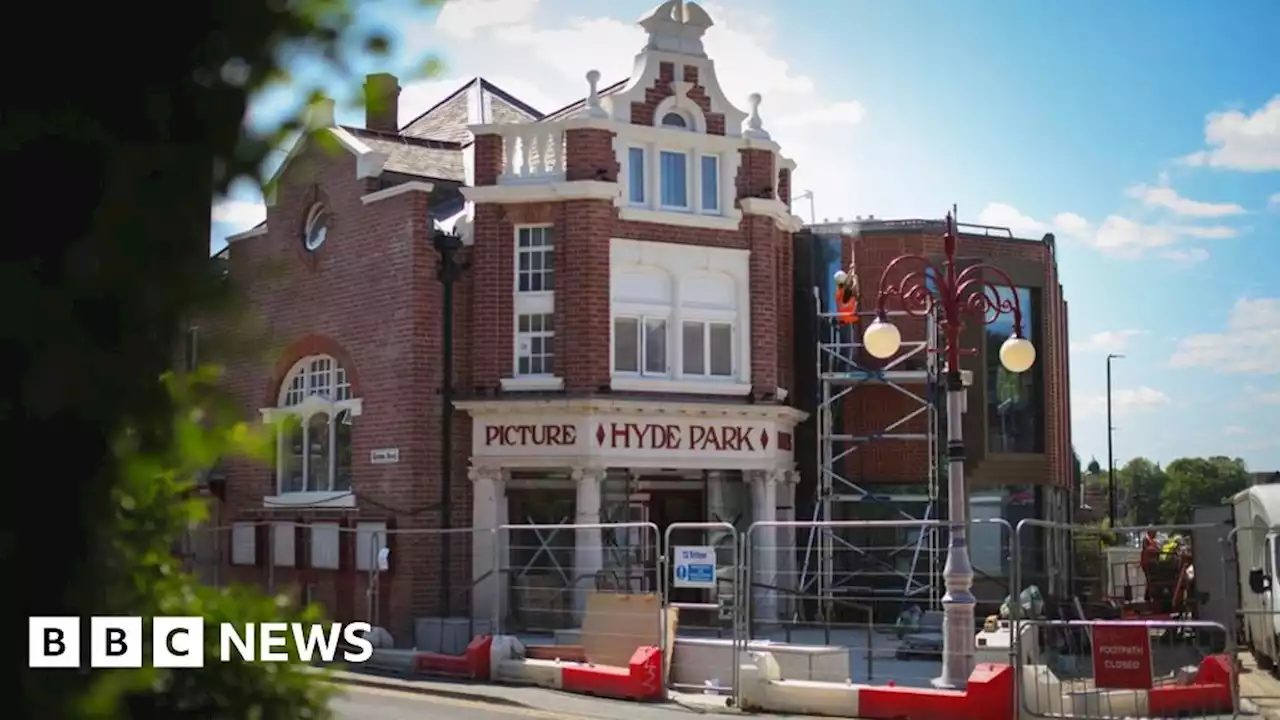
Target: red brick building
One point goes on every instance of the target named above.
(626, 347)
(623, 345)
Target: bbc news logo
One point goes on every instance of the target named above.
(178, 642)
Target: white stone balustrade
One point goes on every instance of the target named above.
(533, 152)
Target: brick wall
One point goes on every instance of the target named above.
(369, 297)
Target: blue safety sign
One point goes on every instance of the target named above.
(695, 567)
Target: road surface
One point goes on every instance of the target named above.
(354, 702)
(361, 703)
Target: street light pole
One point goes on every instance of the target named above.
(1113, 503)
(449, 270)
(957, 295)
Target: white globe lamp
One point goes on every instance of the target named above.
(841, 277)
(882, 339)
(1017, 355)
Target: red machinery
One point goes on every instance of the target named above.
(1169, 578)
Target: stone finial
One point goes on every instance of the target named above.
(677, 26)
(592, 108)
(753, 127)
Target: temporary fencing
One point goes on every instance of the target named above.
(1128, 639)
(1125, 669)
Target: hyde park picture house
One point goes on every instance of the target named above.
(619, 282)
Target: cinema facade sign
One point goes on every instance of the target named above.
(632, 434)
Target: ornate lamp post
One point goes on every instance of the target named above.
(959, 296)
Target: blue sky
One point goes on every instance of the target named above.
(1145, 134)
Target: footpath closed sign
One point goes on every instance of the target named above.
(1121, 656)
(695, 566)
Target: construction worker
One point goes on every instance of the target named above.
(847, 295)
(1147, 560)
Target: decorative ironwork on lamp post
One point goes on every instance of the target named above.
(959, 297)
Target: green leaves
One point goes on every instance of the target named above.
(152, 508)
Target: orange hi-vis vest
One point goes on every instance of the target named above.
(846, 312)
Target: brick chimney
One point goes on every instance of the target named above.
(382, 102)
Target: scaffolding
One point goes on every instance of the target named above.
(915, 374)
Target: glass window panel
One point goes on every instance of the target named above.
(693, 350)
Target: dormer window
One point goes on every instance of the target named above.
(675, 120)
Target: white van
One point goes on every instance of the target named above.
(1257, 514)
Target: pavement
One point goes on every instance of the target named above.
(1259, 690)
(387, 697)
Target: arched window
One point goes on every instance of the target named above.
(315, 413)
(675, 120)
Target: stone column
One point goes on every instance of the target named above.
(588, 549)
(719, 509)
(488, 567)
(788, 577)
(764, 547)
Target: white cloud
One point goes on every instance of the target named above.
(1206, 232)
(1237, 141)
(1123, 402)
(1117, 235)
(1250, 345)
(463, 18)
(1190, 256)
(1109, 341)
(1235, 430)
(846, 113)
(542, 59)
(1274, 201)
(1169, 199)
(239, 214)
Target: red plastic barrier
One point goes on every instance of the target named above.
(473, 664)
(990, 691)
(642, 680)
(1208, 694)
(989, 696)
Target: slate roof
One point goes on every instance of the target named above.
(573, 107)
(432, 159)
(447, 120)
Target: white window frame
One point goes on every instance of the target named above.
(548, 336)
(706, 320)
(531, 302)
(299, 401)
(543, 250)
(689, 177)
(644, 176)
(684, 265)
(702, 198)
(641, 315)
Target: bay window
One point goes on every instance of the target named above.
(679, 318)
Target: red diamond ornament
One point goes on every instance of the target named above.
(764, 439)
(600, 434)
